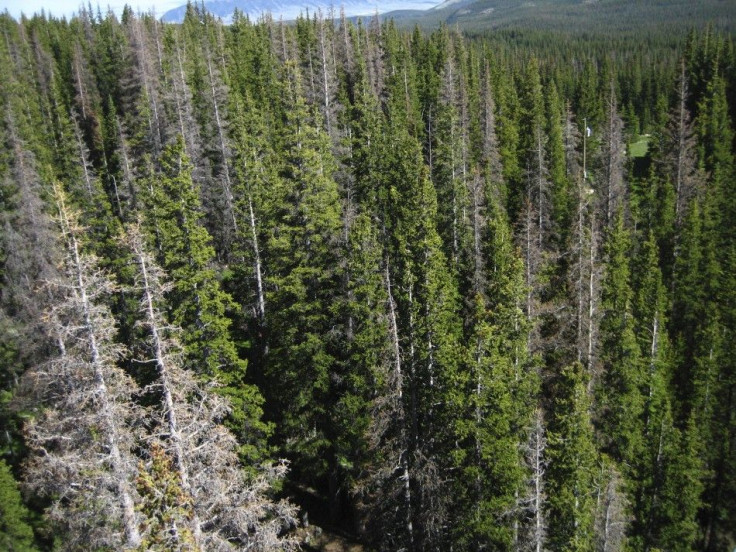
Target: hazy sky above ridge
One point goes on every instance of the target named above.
(59, 8)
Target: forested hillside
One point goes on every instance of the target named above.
(443, 293)
(599, 17)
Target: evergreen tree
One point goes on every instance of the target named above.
(16, 534)
(670, 496)
(206, 501)
(253, 184)
(449, 161)
(427, 327)
(500, 385)
(196, 301)
(619, 395)
(559, 175)
(535, 212)
(572, 465)
(302, 283)
(682, 164)
(368, 373)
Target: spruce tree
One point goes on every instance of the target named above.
(196, 301)
(572, 464)
(670, 494)
(302, 283)
(16, 533)
(500, 384)
(619, 394)
(449, 161)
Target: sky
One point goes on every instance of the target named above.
(66, 8)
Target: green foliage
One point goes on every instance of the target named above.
(303, 282)
(619, 394)
(500, 393)
(669, 499)
(166, 508)
(197, 302)
(572, 465)
(16, 533)
(558, 172)
(383, 243)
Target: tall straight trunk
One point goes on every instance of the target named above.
(580, 277)
(682, 115)
(110, 423)
(453, 184)
(155, 125)
(81, 89)
(325, 78)
(127, 171)
(408, 434)
(413, 429)
(536, 460)
(179, 81)
(613, 162)
(478, 224)
(591, 299)
(154, 326)
(430, 335)
(394, 331)
(83, 160)
(227, 184)
(611, 167)
(654, 350)
(654, 499)
(606, 526)
(257, 265)
(116, 192)
(540, 190)
(408, 519)
(528, 259)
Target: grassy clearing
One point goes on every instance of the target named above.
(640, 146)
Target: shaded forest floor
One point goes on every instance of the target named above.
(321, 531)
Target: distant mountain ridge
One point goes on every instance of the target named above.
(577, 15)
(607, 16)
(291, 9)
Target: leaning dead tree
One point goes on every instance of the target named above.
(81, 437)
(224, 508)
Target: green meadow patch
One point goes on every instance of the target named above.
(640, 146)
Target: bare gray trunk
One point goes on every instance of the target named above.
(227, 184)
(170, 413)
(257, 263)
(394, 329)
(132, 535)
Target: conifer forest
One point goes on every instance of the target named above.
(425, 290)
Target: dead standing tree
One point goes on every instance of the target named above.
(229, 509)
(584, 271)
(81, 440)
(612, 190)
